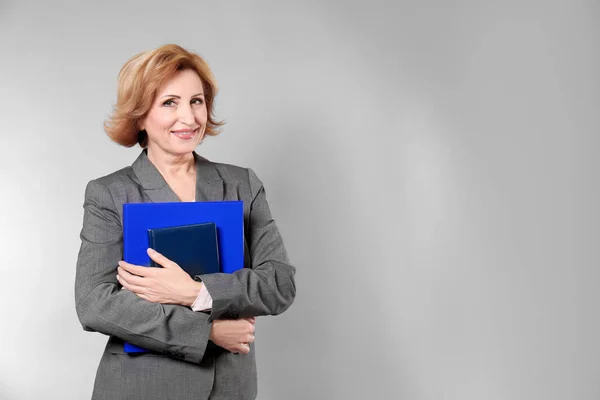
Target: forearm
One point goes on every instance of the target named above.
(267, 287)
(169, 329)
(267, 290)
(101, 305)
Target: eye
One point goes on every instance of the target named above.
(168, 103)
(197, 101)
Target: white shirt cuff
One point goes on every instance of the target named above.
(203, 301)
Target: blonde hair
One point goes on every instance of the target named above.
(140, 78)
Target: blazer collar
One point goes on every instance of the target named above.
(209, 184)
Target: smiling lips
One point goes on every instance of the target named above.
(185, 134)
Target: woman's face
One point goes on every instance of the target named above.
(177, 119)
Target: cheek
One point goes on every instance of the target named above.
(159, 122)
(201, 114)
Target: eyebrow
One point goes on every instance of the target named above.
(178, 97)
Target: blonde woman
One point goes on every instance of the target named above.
(200, 332)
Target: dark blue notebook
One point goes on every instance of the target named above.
(228, 217)
(193, 247)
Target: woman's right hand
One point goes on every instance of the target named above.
(233, 335)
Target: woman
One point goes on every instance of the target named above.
(165, 104)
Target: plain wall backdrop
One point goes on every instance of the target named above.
(431, 165)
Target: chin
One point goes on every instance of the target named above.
(182, 147)
(175, 146)
(182, 150)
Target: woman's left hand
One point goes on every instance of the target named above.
(167, 285)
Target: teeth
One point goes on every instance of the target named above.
(186, 134)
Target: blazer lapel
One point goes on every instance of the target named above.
(209, 185)
(152, 181)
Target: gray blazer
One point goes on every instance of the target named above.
(184, 364)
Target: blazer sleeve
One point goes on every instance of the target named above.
(101, 306)
(268, 287)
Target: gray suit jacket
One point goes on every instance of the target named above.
(185, 364)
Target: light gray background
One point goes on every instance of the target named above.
(431, 164)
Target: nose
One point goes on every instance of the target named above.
(186, 114)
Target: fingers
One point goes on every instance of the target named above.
(244, 348)
(129, 278)
(160, 259)
(235, 336)
(250, 338)
(250, 329)
(139, 290)
(136, 269)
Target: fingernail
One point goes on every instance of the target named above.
(151, 250)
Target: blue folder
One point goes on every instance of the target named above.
(228, 216)
(194, 248)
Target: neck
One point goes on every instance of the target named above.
(172, 164)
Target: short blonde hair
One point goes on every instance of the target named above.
(139, 80)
